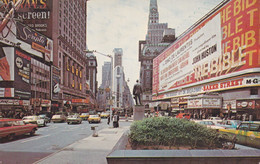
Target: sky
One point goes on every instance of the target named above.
(122, 23)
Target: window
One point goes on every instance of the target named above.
(255, 127)
(243, 127)
(254, 91)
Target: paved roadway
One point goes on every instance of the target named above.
(49, 139)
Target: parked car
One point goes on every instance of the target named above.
(10, 128)
(104, 115)
(58, 118)
(183, 115)
(84, 116)
(74, 119)
(94, 118)
(34, 120)
(229, 124)
(209, 124)
(247, 133)
(215, 120)
(46, 119)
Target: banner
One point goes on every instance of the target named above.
(22, 71)
(226, 44)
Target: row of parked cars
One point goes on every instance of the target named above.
(10, 128)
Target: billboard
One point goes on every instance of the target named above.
(36, 40)
(225, 44)
(6, 71)
(55, 83)
(15, 68)
(37, 14)
(22, 69)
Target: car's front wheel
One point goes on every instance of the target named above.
(32, 132)
(10, 137)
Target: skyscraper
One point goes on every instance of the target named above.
(118, 56)
(152, 47)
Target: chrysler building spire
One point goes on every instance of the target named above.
(153, 12)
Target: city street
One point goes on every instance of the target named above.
(49, 139)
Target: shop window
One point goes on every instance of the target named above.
(254, 91)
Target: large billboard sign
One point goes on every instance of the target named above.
(37, 14)
(22, 69)
(224, 45)
(37, 41)
(15, 70)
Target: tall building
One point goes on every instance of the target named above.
(202, 74)
(69, 38)
(104, 93)
(118, 54)
(91, 76)
(106, 75)
(158, 37)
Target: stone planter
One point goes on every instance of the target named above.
(121, 156)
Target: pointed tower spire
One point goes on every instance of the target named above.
(153, 13)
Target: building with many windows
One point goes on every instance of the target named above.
(158, 37)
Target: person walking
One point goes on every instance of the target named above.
(115, 120)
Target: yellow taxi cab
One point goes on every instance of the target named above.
(94, 118)
(84, 116)
(104, 115)
(247, 133)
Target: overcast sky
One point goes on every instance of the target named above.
(122, 23)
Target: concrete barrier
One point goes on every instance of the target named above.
(121, 156)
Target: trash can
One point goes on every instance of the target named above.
(94, 128)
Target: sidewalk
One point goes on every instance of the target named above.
(90, 150)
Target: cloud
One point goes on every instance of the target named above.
(122, 23)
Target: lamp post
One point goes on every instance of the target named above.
(111, 89)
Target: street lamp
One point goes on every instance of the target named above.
(111, 89)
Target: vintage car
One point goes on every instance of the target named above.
(247, 133)
(104, 115)
(45, 117)
(209, 124)
(71, 119)
(229, 124)
(183, 115)
(58, 118)
(94, 118)
(10, 128)
(34, 120)
(84, 116)
(215, 120)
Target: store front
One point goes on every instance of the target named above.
(248, 109)
(204, 106)
(11, 108)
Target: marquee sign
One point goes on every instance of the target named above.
(223, 45)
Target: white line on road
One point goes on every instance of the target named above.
(35, 138)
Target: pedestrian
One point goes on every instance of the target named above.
(115, 120)
(108, 120)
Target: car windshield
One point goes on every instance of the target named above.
(93, 116)
(72, 116)
(28, 118)
(56, 116)
(84, 114)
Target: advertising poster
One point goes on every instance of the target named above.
(37, 14)
(55, 83)
(37, 41)
(224, 45)
(6, 71)
(22, 71)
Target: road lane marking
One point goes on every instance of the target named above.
(32, 139)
